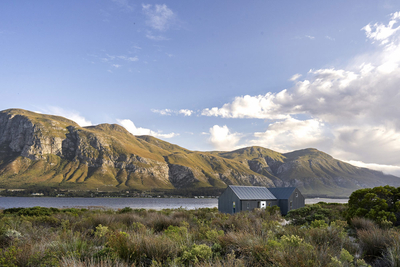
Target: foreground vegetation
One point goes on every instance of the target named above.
(317, 235)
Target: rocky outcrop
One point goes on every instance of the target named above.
(26, 138)
(181, 176)
(235, 177)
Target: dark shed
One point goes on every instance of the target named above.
(290, 198)
(240, 198)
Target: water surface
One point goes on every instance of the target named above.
(119, 203)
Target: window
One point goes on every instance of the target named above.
(297, 194)
(248, 205)
(291, 204)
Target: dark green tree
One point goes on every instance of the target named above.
(379, 204)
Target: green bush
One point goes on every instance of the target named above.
(195, 254)
(125, 210)
(310, 213)
(35, 211)
(380, 204)
(318, 224)
(8, 257)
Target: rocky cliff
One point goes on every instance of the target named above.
(54, 151)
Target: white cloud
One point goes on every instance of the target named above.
(388, 169)
(356, 108)
(159, 17)
(260, 107)
(295, 77)
(330, 38)
(380, 32)
(130, 126)
(69, 114)
(109, 58)
(222, 139)
(164, 112)
(310, 37)
(124, 4)
(116, 66)
(292, 134)
(168, 112)
(336, 95)
(156, 37)
(186, 112)
(368, 143)
(135, 58)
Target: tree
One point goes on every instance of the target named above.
(379, 204)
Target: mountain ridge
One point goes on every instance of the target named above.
(54, 151)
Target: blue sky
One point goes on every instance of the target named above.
(214, 75)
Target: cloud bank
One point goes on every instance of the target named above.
(352, 113)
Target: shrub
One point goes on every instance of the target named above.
(293, 251)
(8, 257)
(318, 224)
(90, 262)
(35, 211)
(374, 242)
(345, 259)
(177, 234)
(362, 223)
(379, 204)
(125, 210)
(310, 213)
(195, 254)
(101, 231)
(392, 255)
(159, 222)
(154, 247)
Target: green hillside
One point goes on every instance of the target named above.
(46, 150)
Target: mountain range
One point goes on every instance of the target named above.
(47, 150)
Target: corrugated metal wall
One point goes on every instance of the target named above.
(225, 202)
(296, 200)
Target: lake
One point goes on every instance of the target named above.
(119, 203)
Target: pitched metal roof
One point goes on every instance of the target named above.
(282, 192)
(252, 192)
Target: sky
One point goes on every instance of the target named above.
(214, 75)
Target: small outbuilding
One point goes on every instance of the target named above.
(241, 198)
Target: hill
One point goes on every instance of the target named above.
(46, 150)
